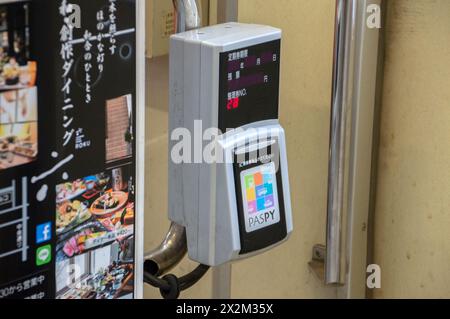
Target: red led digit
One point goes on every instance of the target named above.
(235, 103)
(229, 105)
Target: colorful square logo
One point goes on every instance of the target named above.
(268, 179)
(261, 204)
(259, 191)
(43, 233)
(44, 255)
(269, 201)
(258, 179)
(249, 182)
(260, 197)
(251, 194)
(252, 209)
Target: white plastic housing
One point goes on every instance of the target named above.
(202, 197)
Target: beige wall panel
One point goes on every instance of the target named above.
(307, 47)
(412, 229)
(148, 29)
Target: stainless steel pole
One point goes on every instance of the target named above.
(341, 104)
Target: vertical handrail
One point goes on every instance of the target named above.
(187, 15)
(340, 106)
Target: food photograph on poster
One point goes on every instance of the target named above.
(119, 128)
(18, 127)
(95, 227)
(18, 93)
(16, 69)
(93, 212)
(106, 273)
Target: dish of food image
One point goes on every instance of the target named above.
(26, 149)
(11, 72)
(108, 283)
(125, 217)
(78, 239)
(102, 180)
(78, 243)
(68, 191)
(109, 203)
(70, 214)
(4, 146)
(88, 237)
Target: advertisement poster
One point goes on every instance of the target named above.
(67, 149)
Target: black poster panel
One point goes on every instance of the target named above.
(67, 149)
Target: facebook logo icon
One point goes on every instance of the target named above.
(43, 233)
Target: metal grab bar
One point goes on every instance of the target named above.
(169, 253)
(188, 15)
(340, 108)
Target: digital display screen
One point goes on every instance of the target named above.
(249, 85)
(260, 197)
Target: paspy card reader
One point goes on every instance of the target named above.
(231, 187)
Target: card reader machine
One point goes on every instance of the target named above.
(232, 193)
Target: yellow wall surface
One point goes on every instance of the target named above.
(307, 47)
(412, 228)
